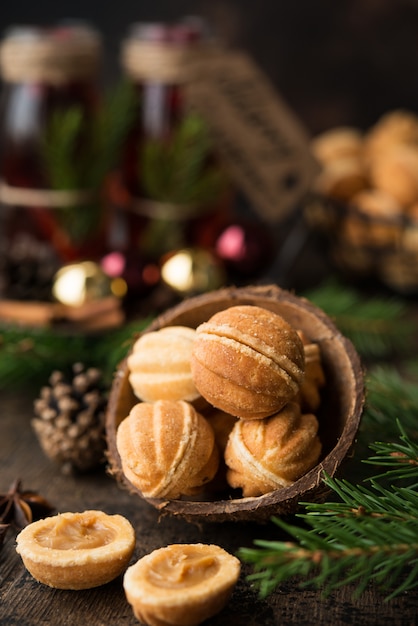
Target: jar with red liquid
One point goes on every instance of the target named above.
(49, 212)
(174, 182)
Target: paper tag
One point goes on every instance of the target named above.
(264, 146)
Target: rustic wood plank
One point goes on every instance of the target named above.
(24, 602)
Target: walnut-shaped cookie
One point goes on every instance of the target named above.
(269, 454)
(167, 449)
(222, 424)
(396, 173)
(314, 380)
(181, 584)
(374, 219)
(159, 365)
(341, 142)
(395, 128)
(247, 361)
(341, 179)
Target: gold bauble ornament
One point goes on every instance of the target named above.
(192, 271)
(78, 283)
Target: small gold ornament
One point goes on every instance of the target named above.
(192, 271)
(78, 283)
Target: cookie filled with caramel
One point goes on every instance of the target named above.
(284, 380)
(181, 584)
(269, 454)
(77, 550)
(167, 449)
(159, 365)
(247, 361)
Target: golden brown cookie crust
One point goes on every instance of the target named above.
(264, 455)
(247, 361)
(77, 550)
(159, 365)
(181, 584)
(167, 449)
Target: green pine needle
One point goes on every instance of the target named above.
(399, 456)
(60, 143)
(391, 406)
(377, 326)
(177, 170)
(109, 131)
(370, 535)
(32, 354)
(390, 397)
(78, 153)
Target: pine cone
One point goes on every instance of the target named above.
(27, 269)
(69, 419)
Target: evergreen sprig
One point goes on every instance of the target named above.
(398, 458)
(179, 169)
(79, 152)
(370, 535)
(377, 325)
(30, 355)
(391, 404)
(391, 398)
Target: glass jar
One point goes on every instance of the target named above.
(48, 215)
(171, 173)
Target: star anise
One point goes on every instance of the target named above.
(20, 508)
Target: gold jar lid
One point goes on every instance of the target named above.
(50, 55)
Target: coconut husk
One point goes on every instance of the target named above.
(339, 414)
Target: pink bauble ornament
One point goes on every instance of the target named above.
(246, 247)
(139, 274)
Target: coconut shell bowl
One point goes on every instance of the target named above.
(338, 414)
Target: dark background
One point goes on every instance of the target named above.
(335, 62)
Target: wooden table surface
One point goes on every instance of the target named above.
(25, 602)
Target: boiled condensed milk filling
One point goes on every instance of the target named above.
(176, 568)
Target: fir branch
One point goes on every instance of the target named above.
(61, 139)
(377, 326)
(178, 169)
(78, 154)
(370, 535)
(391, 399)
(30, 355)
(400, 456)
(391, 407)
(112, 124)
